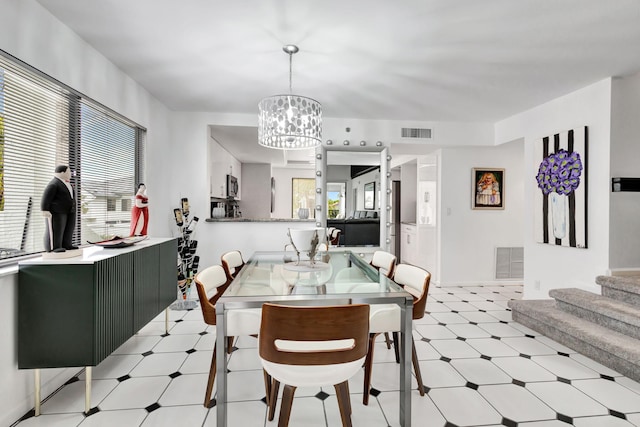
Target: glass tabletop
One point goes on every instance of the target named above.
(339, 277)
(277, 274)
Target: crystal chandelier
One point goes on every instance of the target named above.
(289, 122)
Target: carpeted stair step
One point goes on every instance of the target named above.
(613, 349)
(607, 312)
(622, 288)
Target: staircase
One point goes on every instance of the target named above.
(604, 327)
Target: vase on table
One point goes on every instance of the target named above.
(559, 205)
(303, 213)
(306, 240)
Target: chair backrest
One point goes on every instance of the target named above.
(414, 280)
(335, 236)
(232, 263)
(210, 284)
(313, 335)
(384, 262)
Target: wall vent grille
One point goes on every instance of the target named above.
(509, 263)
(416, 133)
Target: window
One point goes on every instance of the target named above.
(336, 200)
(43, 124)
(303, 197)
(125, 205)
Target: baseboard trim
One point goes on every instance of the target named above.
(624, 272)
(481, 283)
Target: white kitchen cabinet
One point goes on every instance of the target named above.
(419, 212)
(409, 244)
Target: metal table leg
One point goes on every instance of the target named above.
(405, 363)
(221, 367)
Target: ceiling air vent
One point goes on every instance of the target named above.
(416, 133)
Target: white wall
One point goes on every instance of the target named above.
(408, 191)
(30, 33)
(469, 237)
(546, 266)
(256, 191)
(624, 225)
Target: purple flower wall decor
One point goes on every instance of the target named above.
(560, 172)
(560, 207)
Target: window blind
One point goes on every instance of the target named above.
(107, 174)
(43, 124)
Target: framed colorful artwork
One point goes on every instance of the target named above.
(560, 201)
(487, 188)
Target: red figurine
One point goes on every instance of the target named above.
(140, 213)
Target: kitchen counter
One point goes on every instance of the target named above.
(310, 220)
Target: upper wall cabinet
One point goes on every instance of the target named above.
(221, 164)
(427, 184)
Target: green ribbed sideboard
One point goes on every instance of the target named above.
(77, 311)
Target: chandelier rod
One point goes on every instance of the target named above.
(290, 72)
(290, 49)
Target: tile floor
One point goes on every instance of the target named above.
(479, 368)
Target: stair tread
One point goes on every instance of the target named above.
(629, 284)
(615, 309)
(613, 342)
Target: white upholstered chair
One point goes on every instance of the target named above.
(311, 347)
(232, 263)
(386, 318)
(334, 236)
(211, 284)
(384, 262)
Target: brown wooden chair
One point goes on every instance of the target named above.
(386, 318)
(311, 347)
(211, 284)
(232, 263)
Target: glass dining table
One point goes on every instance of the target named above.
(334, 278)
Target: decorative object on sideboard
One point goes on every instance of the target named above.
(289, 122)
(187, 259)
(140, 212)
(117, 242)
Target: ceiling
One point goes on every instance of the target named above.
(422, 60)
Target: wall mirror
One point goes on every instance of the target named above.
(351, 193)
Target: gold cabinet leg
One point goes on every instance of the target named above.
(87, 390)
(36, 377)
